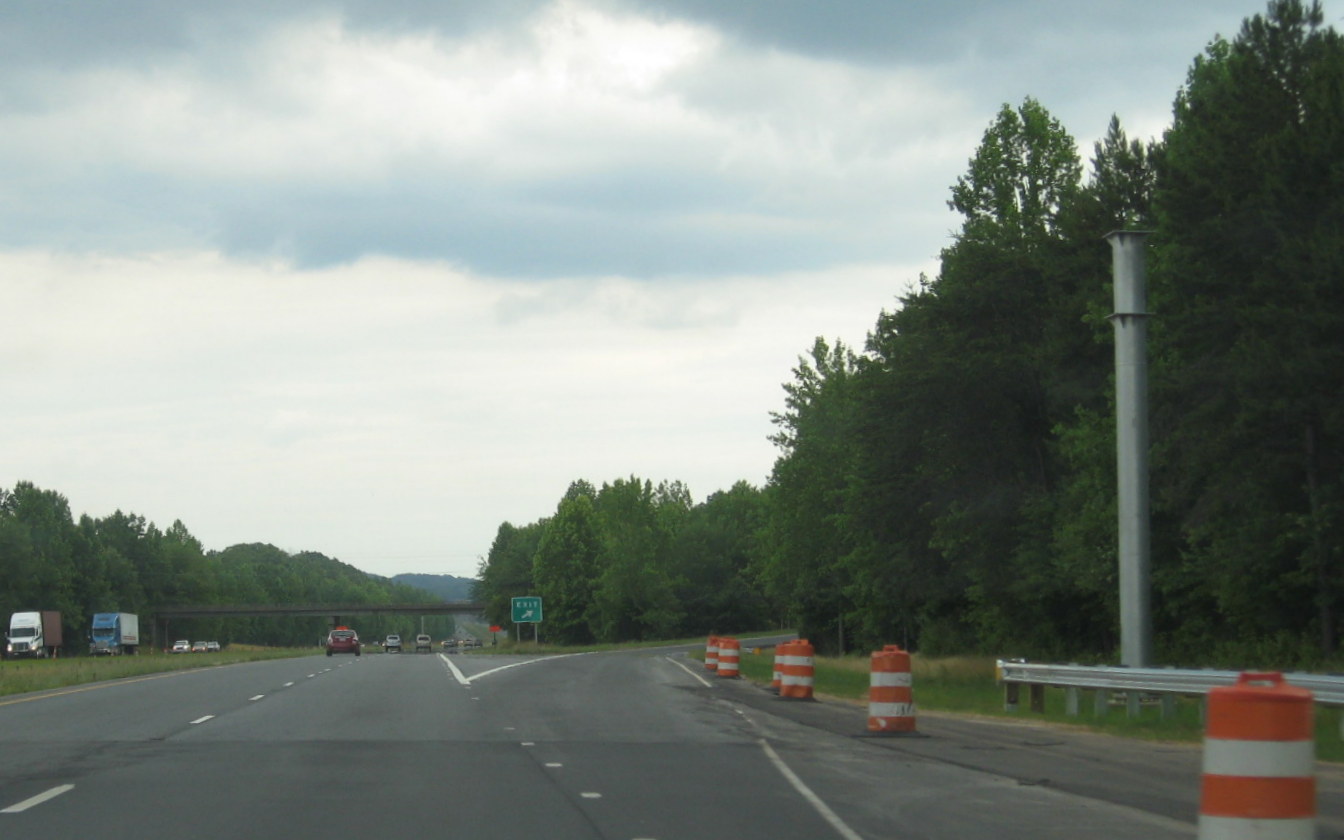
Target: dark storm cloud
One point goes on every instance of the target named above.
(657, 208)
(527, 236)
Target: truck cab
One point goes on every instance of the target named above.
(35, 634)
(113, 634)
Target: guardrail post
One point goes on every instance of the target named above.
(1101, 702)
(1010, 697)
(1038, 699)
(1071, 701)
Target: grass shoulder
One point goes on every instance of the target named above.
(966, 685)
(20, 676)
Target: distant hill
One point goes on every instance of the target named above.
(447, 587)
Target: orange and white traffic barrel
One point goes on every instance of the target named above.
(712, 654)
(1259, 762)
(891, 699)
(796, 671)
(730, 655)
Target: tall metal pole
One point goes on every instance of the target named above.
(1130, 320)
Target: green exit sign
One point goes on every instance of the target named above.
(526, 610)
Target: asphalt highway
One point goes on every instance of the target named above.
(621, 746)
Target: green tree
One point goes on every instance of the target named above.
(961, 391)
(50, 580)
(1024, 172)
(565, 569)
(634, 597)
(506, 571)
(18, 560)
(1248, 404)
(806, 537)
(710, 559)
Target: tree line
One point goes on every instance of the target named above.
(123, 563)
(951, 484)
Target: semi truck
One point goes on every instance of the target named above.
(34, 634)
(114, 634)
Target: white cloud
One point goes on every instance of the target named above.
(571, 241)
(319, 101)
(297, 143)
(342, 410)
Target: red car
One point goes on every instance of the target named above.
(342, 640)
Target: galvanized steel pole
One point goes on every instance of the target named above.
(1130, 320)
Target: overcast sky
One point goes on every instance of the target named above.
(369, 279)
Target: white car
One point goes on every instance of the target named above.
(393, 643)
(423, 642)
(182, 646)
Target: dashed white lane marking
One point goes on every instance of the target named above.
(812, 799)
(287, 685)
(588, 794)
(554, 764)
(201, 719)
(258, 697)
(20, 807)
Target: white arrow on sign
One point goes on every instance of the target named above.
(526, 615)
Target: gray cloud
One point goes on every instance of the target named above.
(370, 279)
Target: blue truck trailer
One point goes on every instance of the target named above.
(113, 634)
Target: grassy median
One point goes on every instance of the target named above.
(19, 676)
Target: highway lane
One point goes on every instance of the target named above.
(628, 745)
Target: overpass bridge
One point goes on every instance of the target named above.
(334, 613)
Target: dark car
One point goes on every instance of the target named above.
(342, 640)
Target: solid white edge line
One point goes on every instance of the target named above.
(682, 665)
(457, 674)
(36, 800)
(465, 680)
(815, 801)
(482, 674)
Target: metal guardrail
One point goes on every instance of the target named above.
(1327, 689)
